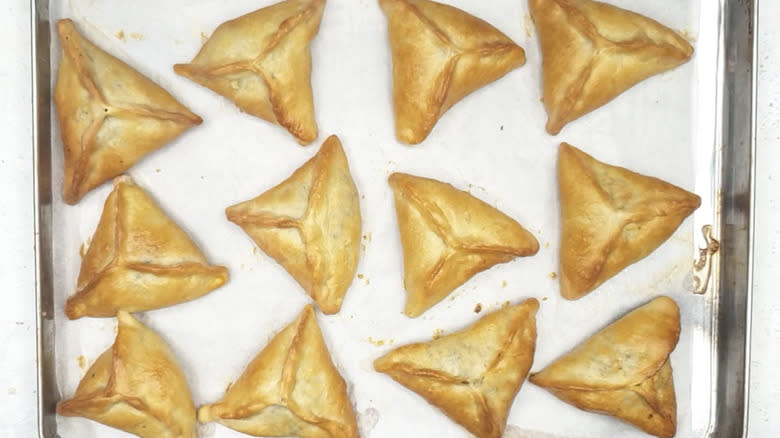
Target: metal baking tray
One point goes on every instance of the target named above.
(721, 259)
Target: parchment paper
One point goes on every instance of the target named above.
(492, 143)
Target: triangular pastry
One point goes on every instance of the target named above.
(611, 217)
(110, 115)
(136, 386)
(592, 52)
(448, 236)
(472, 375)
(139, 260)
(624, 370)
(440, 55)
(310, 224)
(291, 388)
(262, 62)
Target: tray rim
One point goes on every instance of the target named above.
(736, 139)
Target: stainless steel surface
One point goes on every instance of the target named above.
(41, 70)
(728, 291)
(732, 303)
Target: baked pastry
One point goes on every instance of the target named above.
(110, 115)
(624, 370)
(611, 217)
(440, 55)
(472, 375)
(310, 224)
(136, 386)
(262, 62)
(139, 260)
(593, 51)
(447, 236)
(291, 388)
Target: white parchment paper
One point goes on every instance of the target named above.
(492, 143)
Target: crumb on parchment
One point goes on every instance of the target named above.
(376, 342)
(528, 24)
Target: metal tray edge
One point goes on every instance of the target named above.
(42, 195)
(732, 303)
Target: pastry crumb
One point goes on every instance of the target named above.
(84, 247)
(390, 341)
(546, 245)
(158, 170)
(505, 304)
(478, 308)
(553, 275)
(367, 281)
(137, 36)
(528, 24)
(544, 298)
(437, 333)
(360, 276)
(367, 237)
(203, 38)
(82, 362)
(503, 283)
(376, 342)
(688, 35)
(121, 35)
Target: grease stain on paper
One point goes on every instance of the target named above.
(513, 431)
(367, 420)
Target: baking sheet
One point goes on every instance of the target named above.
(492, 143)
